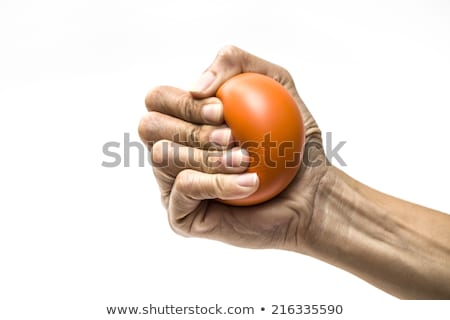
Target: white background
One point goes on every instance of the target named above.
(76, 237)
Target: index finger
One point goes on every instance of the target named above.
(181, 104)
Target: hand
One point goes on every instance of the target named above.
(400, 247)
(179, 129)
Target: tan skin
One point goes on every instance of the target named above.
(399, 247)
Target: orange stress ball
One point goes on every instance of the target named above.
(265, 120)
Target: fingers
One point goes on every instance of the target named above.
(155, 126)
(172, 158)
(176, 115)
(191, 187)
(169, 159)
(180, 104)
(231, 61)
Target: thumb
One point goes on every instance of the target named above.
(191, 187)
(231, 61)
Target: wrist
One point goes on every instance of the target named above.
(353, 229)
(397, 246)
(334, 201)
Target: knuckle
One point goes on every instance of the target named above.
(195, 184)
(219, 186)
(283, 76)
(213, 162)
(229, 51)
(187, 106)
(198, 160)
(154, 96)
(194, 136)
(231, 55)
(147, 127)
(184, 181)
(286, 74)
(142, 128)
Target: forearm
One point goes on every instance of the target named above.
(400, 247)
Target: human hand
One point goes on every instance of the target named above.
(323, 212)
(179, 130)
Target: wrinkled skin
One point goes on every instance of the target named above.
(188, 190)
